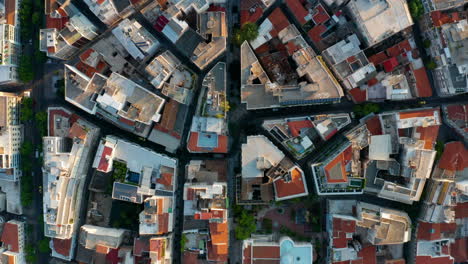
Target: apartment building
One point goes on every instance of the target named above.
(265, 249)
(10, 45)
(117, 99)
(110, 11)
(356, 229)
(11, 138)
(260, 159)
(205, 210)
(13, 241)
(67, 31)
(67, 157)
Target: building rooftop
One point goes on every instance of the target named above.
(115, 95)
(157, 216)
(378, 20)
(136, 39)
(161, 68)
(101, 239)
(265, 250)
(66, 150)
(150, 174)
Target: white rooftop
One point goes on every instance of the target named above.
(258, 154)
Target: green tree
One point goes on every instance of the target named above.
(416, 8)
(248, 32)
(183, 241)
(26, 109)
(41, 122)
(246, 226)
(25, 69)
(361, 110)
(36, 18)
(431, 65)
(43, 245)
(427, 43)
(26, 149)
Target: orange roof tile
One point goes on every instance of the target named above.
(378, 58)
(418, 113)
(320, 15)
(102, 249)
(10, 12)
(193, 144)
(293, 187)
(316, 33)
(461, 210)
(270, 252)
(298, 10)
(10, 237)
(429, 135)
(341, 160)
(278, 19)
(295, 127)
(459, 251)
(358, 95)
(422, 83)
(454, 157)
(62, 246)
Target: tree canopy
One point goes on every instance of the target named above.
(248, 31)
(416, 8)
(245, 226)
(361, 110)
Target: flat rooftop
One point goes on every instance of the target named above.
(378, 20)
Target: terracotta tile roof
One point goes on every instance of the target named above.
(278, 19)
(358, 95)
(190, 257)
(104, 161)
(395, 261)
(62, 12)
(298, 10)
(295, 127)
(422, 82)
(218, 245)
(77, 131)
(169, 116)
(246, 16)
(368, 255)
(390, 64)
(102, 249)
(374, 126)
(457, 112)
(266, 252)
(340, 228)
(10, 12)
(10, 237)
(461, 210)
(294, 187)
(166, 179)
(341, 160)
(163, 223)
(418, 113)
(320, 15)
(459, 250)
(113, 256)
(378, 58)
(140, 246)
(441, 18)
(62, 246)
(454, 157)
(247, 256)
(85, 55)
(431, 231)
(157, 246)
(316, 33)
(429, 135)
(430, 260)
